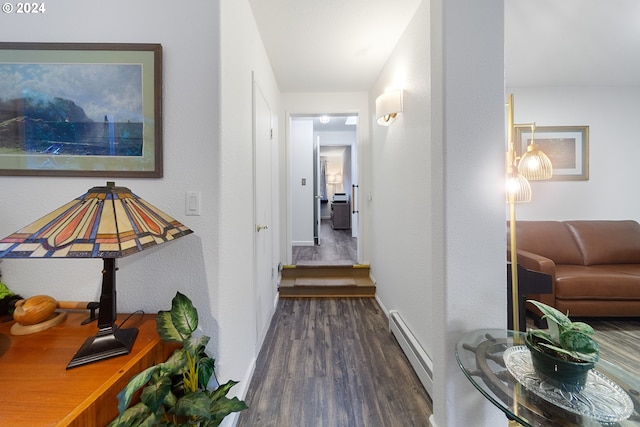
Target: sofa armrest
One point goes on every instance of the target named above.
(536, 262)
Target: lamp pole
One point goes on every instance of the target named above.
(511, 158)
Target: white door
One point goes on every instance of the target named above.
(263, 249)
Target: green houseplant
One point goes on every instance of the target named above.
(177, 392)
(564, 353)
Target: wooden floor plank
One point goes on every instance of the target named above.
(343, 368)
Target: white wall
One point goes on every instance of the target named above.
(207, 147)
(150, 279)
(301, 166)
(235, 234)
(468, 39)
(438, 200)
(402, 204)
(611, 114)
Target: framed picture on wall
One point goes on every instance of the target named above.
(81, 109)
(566, 146)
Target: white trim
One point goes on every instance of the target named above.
(420, 361)
(242, 387)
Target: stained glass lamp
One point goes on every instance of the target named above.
(106, 222)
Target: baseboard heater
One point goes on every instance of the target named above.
(420, 361)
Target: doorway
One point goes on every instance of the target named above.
(323, 147)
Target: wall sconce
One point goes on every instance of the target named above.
(388, 105)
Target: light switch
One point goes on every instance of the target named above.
(192, 207)
(304, 181)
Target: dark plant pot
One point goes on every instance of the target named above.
(560, 373)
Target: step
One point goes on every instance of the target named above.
(317, 281)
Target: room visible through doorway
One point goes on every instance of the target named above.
(324, 224)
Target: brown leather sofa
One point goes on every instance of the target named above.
(595, 265)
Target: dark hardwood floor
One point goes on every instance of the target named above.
(332, 362)
(336, 247)
(619, 341)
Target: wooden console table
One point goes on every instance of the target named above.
(37, 390)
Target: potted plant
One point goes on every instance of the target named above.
(563, 354)
(177, 392)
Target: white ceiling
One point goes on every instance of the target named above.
(330, 45)
(341, 45)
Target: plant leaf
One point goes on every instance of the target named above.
(132, 416)
(184, 315)
(221, 405)
(582, 327)
(578, 342)
(154, 395)
(196, 345)
(205, 370)
(175, 364)
(542, 334)
(194, 405)
(166, 328)
(153, 420)
(125, 395)
(552, 313)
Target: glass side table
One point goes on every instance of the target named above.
(499, 366)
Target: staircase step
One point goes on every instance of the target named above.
(324, 281)
(314, 281)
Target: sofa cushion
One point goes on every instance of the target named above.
(551, 239)
(607, 242)
(597, 282)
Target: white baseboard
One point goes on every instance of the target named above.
(432, 421)
(420, 361)
(242, 387)
(302, 243)
(240, 391)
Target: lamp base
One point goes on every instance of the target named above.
(107, 343)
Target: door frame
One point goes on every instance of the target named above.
(356, 177)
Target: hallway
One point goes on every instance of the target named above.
(332, 362)
(336, 247)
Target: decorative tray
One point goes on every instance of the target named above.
(600, 399)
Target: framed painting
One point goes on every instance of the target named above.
(81, 109)
(566, 146)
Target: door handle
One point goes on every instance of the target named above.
(261, 227)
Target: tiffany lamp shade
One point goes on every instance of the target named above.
(106, 222)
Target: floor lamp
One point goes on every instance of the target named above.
(532, 165)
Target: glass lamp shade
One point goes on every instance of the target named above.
(518, 188)
(534, 164)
